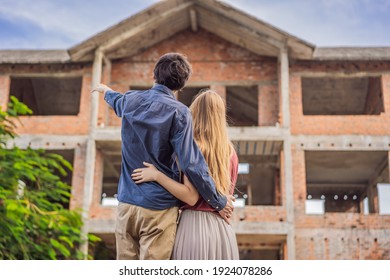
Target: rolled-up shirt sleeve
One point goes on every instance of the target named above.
(192, 162)
(115, 100)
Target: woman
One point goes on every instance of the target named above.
(202, 233)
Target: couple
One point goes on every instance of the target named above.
(170, 140)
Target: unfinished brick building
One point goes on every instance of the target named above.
(311, 125)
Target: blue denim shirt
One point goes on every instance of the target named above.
(157, 128)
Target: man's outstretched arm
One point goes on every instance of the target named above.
(113, 98)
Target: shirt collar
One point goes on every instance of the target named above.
(163, 89)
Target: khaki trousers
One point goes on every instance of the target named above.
(144, 234)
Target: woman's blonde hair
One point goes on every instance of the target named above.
(210, 133)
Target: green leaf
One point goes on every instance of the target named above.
(93, 238)
(52, 254)
(35, 225)
(11, 205)
(67, 240)
(64, 251)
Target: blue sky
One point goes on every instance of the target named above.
(61, 24)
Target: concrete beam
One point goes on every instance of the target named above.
(48, 142)
(117, 153)
(252, 246)
(258, 147)
(341, 142)
(257, 133)
(108, 134)
(51, 74)
(344, 232)
(351, 53)
(260, 227)
(235, 133)
(339, 74)
(336, 185)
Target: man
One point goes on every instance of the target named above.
(157, 128)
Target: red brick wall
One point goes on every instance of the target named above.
(268, 105)
(51, 124)
(215, 63)
(335, 235)
(332, 125)
(260, 214)
(344, 244)
(62, 124)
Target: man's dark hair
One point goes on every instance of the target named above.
(172, 70)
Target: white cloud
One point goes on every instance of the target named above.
(45, 15)
(71, 20)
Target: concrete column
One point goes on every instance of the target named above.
(103, 115)
(107, 70)
(91, 148)
(96, 79)
(4, 91)
(284, 87)
(98, 177)
(76, 201)
(259, 106)
(284, 90)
